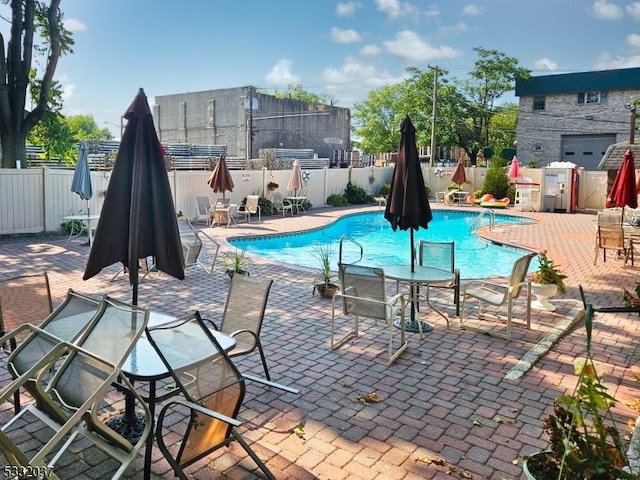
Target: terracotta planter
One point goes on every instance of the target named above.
(542, 294)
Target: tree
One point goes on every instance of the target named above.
(28, 18)
(377, 119)
(494, 75)
(59, 136)
(296, 92)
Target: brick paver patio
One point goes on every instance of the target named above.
(450, 407)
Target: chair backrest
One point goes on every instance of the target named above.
(245, 307)
(363, 291)
(610, 217)
(111, 336)
(24, 299)
(204, 205)
(519, 273)
(276, 198)
(184, 225)
(215, 384)
(611, 237)
(191, 247)
(437, 255)
(252, 203)
(65, 323)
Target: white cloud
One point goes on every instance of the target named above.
(608, 62)
(457, 28)
(634, 40)
(344, 36)
(395, 8)
(633, 9)
(354, 80)
(347, 9)
(410, 46)
(370, 50)
(281, 73)
(604, 10)
(432, 11)
(472, 9)
(545, 64)
(74, 25)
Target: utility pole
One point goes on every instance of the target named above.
(435, 69)
(632, 129)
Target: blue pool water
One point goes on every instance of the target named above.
(475, 257)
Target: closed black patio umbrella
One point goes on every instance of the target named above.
(407, 204)
(138, 219)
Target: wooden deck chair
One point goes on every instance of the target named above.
(363, 294)
(496, 294)
(251, 207)
(84, 372)
(64, 324)
(206, 419)
(23, 299)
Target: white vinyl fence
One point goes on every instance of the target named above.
(35, 200)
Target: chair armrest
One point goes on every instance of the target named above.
(199, 409)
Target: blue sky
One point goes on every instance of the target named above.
(344, 48)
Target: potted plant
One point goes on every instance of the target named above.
(546, 281)
(584, 440)
(235, 263)
(325, 284)
(271, 186)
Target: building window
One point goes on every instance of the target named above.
(592, 97)
(538, 102)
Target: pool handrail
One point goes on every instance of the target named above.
(347, 237)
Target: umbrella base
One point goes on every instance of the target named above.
(413, 326)
(129, 428)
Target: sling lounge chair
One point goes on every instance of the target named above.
(84, 372)
(205, 420)
(363, 294)
(498, 294)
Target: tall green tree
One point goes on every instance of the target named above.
(494, 75)
(30, 20)
(377, 119)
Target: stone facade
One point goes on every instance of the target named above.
(566, 130)
(227, 117)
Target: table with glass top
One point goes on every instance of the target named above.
(145, 365)
(420, 275)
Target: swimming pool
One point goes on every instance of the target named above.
(476, 258)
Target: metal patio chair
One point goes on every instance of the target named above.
(70, 400)
(498, 294)
(363, 294)
(205, 420)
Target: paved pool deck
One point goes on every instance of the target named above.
(457, 404)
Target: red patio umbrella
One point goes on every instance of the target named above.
(459, 175)
(220, 179)
(514, 169)
(624, 192)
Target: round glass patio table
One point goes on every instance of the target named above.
(420, 275)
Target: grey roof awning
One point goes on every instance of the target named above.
(612, 158)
